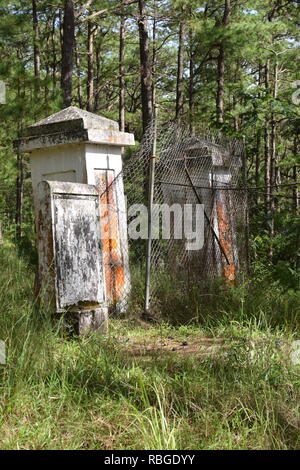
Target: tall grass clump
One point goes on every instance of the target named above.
(212, 302)
(157, 431)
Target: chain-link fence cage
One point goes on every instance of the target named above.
(189, 170)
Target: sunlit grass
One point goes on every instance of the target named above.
(93, 393)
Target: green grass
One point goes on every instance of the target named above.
(92, 393)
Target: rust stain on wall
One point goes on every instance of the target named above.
(109, 226)
(226, 242)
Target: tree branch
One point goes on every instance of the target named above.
(84, 7)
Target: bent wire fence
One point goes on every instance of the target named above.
(188, 170)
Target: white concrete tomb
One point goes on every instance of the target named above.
(76, 146)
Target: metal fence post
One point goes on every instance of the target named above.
(245, 182)
(150, 208)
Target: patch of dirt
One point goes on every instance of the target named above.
(202, 347)
(161, 346)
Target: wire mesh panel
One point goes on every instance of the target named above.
(190, 170)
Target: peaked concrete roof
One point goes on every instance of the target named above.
(68, 119)
(73, 125)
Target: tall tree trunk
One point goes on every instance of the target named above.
(20, 167)
(154, 52)
(296, 200)
(258, 139)
(180, 68)
(272, 167)
(121, 71)
(78, 75)
(54, 60)
(146, 86)
(19, 194)
(67, 52)
(235, 100)
(46, 87)
(90, 69)
(221, 67)
(274, 128)
(236, 124)
(273, 179)
(257, 163)
(267, 167)
(269, 142)
(296, 196)
(191, 83)
(36, 48)
(98, 69)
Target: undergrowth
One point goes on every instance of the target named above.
(92, 393)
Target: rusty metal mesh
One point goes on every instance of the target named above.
(204, 168)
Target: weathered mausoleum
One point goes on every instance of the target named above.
(80, 219)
